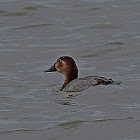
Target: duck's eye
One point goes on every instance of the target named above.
(59, 60)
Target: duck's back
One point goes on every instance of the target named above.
(80, 84)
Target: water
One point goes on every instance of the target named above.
(103, 37)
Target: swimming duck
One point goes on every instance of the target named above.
(67, 66)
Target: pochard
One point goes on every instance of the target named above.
(67, 66)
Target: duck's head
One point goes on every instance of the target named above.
(67, 66)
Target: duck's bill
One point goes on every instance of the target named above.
(51, 69)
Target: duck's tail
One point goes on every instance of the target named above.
(105, 81)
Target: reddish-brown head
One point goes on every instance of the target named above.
(67, 66)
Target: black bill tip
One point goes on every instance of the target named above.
(51, 69)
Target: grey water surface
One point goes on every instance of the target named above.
(103, 36)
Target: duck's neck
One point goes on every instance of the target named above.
(65, 83)
(69, 76)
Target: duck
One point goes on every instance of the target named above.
(67, 66)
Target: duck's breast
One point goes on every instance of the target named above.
(79, 84)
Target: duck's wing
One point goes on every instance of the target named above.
(104, 81)
(81, 84)
(77, 85)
